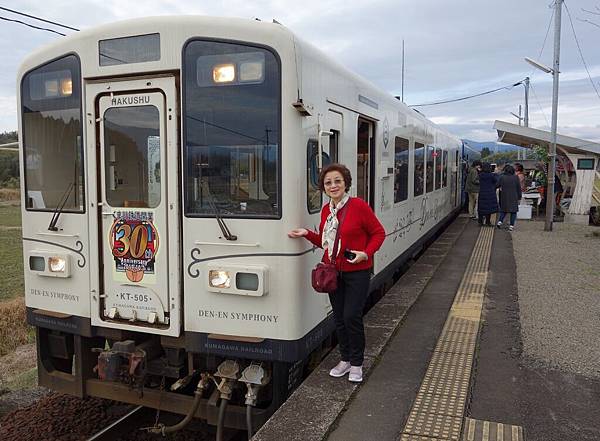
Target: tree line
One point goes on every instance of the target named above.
(9, 162)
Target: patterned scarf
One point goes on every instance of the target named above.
(331, 226)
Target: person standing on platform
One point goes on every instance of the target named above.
(487, 203)
(361, 235)
(472, 187)
(519, 171)
(510, 195)
(558, 191)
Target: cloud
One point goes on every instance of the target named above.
(452, 49)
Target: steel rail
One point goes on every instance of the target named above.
(122, 425)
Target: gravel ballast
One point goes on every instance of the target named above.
(558, 275)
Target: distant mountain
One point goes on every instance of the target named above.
(491, 145)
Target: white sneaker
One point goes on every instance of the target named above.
(355, 374)
(511, 228)
(341, 369)
(499, 224)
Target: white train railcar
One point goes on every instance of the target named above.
(163, 162)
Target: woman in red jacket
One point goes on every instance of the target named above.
(361, 235)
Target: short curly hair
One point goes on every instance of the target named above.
(342, 169)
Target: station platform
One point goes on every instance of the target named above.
(444, 361)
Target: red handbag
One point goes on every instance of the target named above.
(324, 276)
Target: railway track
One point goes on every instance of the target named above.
(57, 417)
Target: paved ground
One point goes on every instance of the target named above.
(528, 333)
(380, 408)
(559, 296)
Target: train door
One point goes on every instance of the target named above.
(335, 128)
(138, 222)
(365, 150)
(454, 179)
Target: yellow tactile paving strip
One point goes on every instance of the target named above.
(477, 430)
(438, 410)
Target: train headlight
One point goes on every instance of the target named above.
(49, 264)
(252, 71)
(243, 280)
(224, 73)
(219, 279)
(57, 264)
(66, 87)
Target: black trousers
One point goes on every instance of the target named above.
(348, 303)
(488, 219)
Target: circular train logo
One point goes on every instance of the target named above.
(134, 243)
(386, 132)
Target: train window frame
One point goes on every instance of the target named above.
(429, 150)
(445, 168)
(187, 77)
(438, 164)
(334, 145)
(79, 150)
(313, 172)
(404, 145)
(422, 151)
(151, 198)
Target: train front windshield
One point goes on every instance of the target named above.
(232, 130)
(52, 136)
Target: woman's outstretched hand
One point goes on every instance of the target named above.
(298, 232)
(360, 256)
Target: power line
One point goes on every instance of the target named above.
(40, 19)
(32, 26)
(580, 51)
(544, 43)
(468, 97)
(539, 105)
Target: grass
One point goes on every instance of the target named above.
(10, 194)
(14, 330)
(10, 216)
(11, 248)
(25, 380)
(11, 256)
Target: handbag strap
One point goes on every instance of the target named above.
(337, 233)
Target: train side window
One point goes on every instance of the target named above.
(429, 170)
(313, 193)
(438, 168)
(419, 172)
(401, 167)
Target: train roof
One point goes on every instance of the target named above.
(183, 28)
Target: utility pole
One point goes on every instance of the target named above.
(552, 153)
(402, 94)
(526, 117)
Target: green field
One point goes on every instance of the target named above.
(10, 216)
(11, 253)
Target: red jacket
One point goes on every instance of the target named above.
(361, 231)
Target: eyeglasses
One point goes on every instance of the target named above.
(336, 182)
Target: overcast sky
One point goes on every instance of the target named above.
(452, 49)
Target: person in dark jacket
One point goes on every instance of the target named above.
(510, 195)
(472, 187)
(487, 203)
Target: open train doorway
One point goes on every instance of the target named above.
(364, 160)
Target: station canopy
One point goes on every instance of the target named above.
(527, 137)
